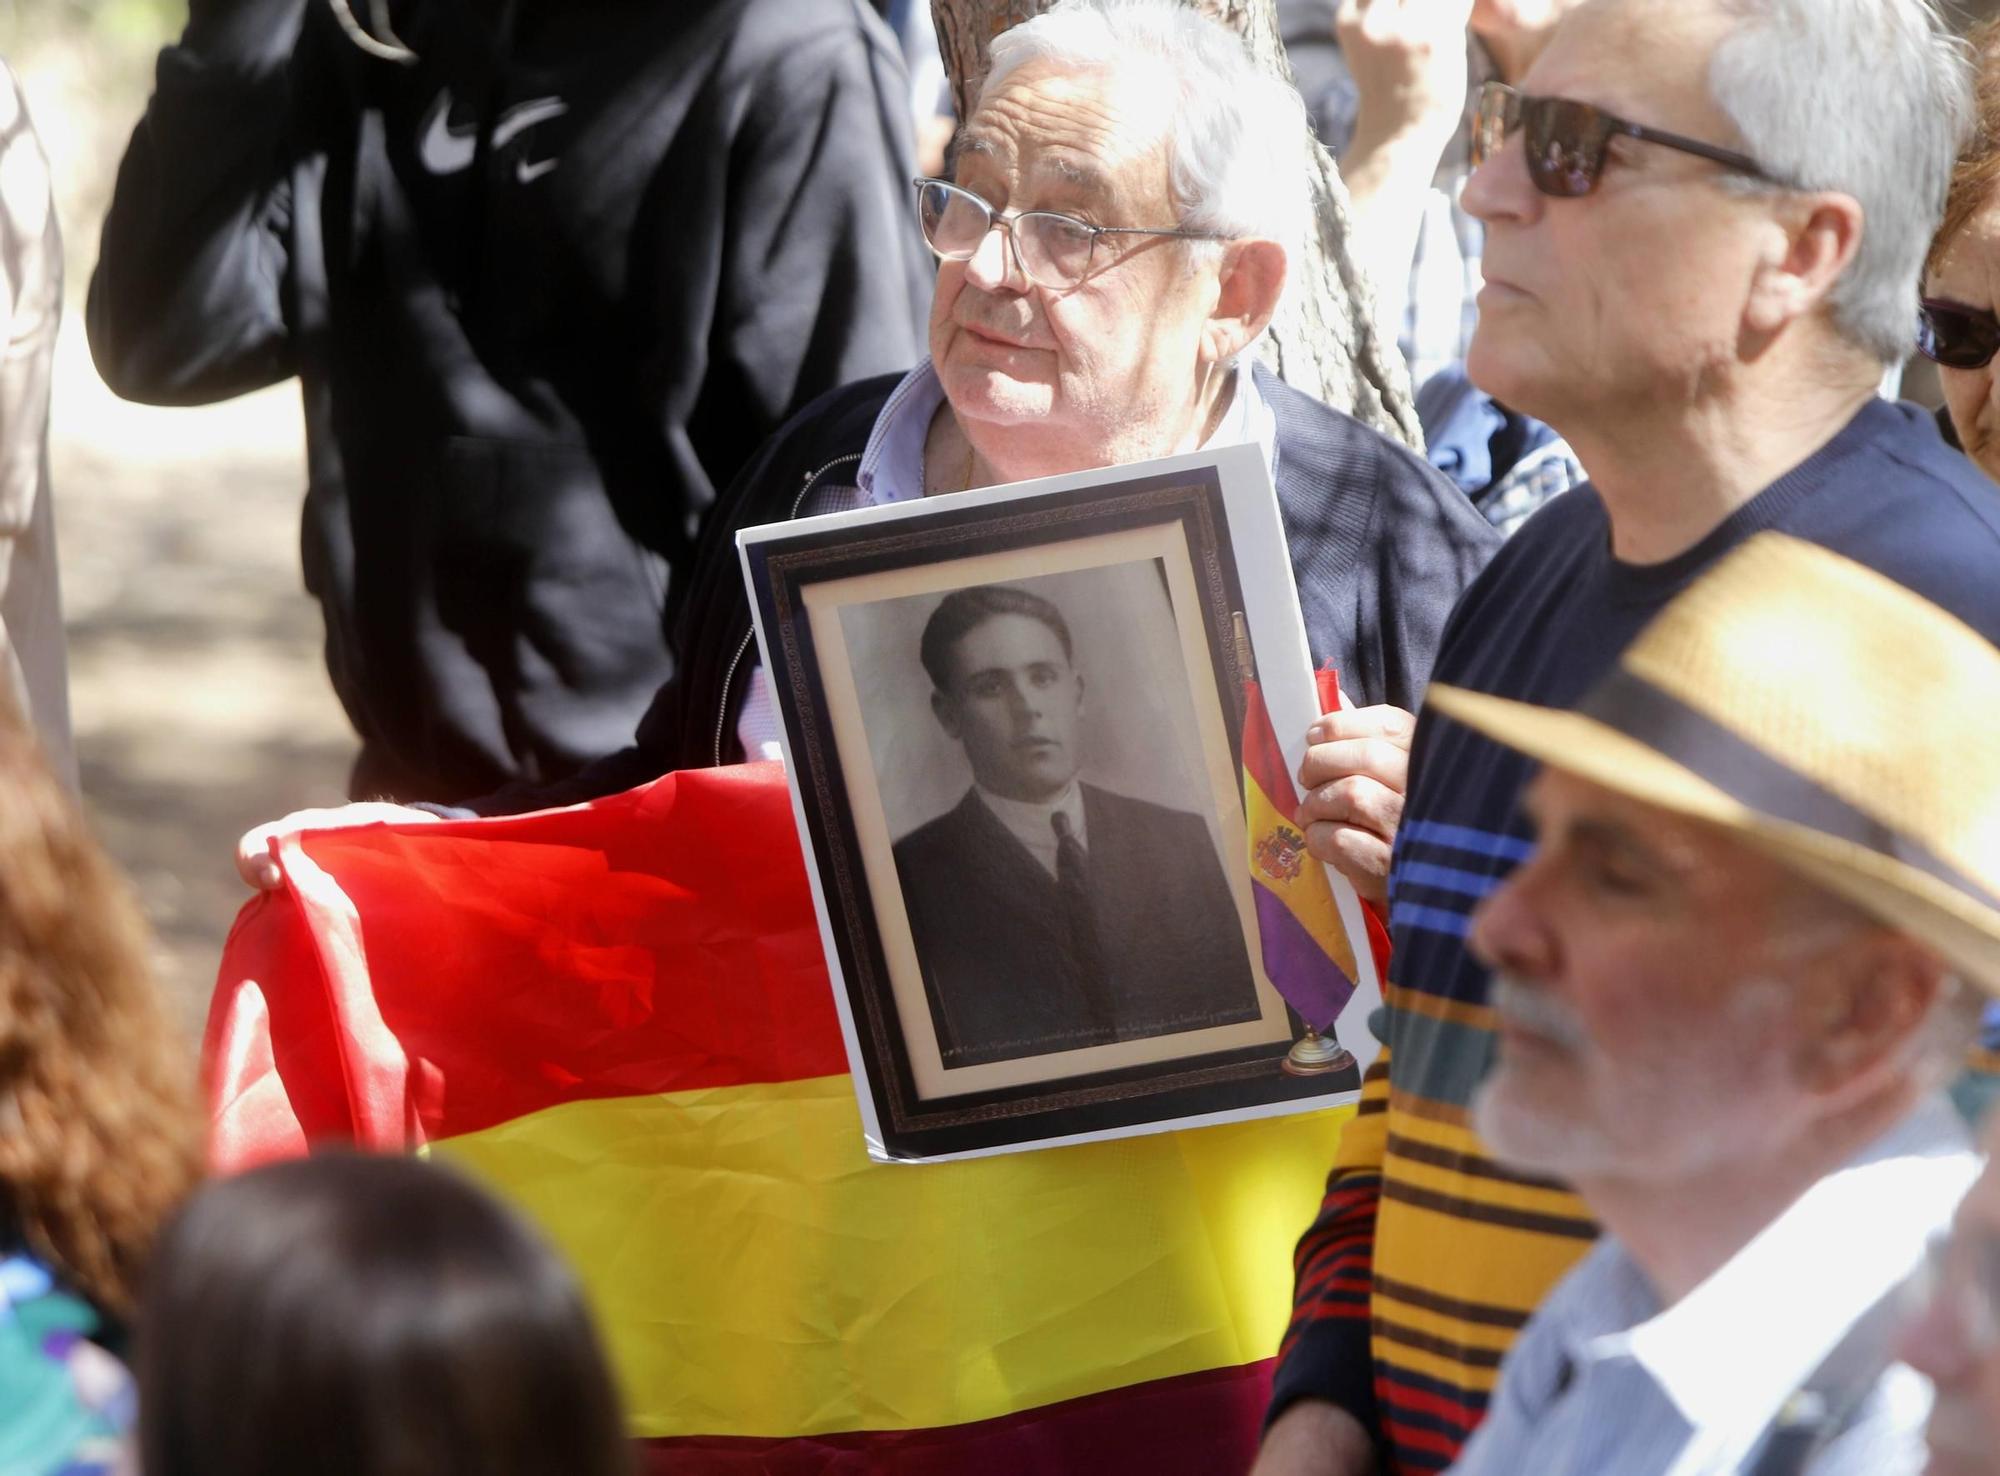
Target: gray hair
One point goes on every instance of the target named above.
(1868, 97)
(1237, 142)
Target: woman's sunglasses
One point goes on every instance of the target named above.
(1568, 141)
(1956, 337)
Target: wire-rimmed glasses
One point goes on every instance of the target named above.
(1054, 250)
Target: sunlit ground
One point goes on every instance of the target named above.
(200, 702)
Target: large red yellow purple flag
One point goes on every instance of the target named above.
(618, 1017)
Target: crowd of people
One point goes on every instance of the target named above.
(1675, 655)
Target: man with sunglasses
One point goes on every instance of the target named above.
(1114, 241)
(1704, 225)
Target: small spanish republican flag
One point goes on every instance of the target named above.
(1306, 953)
(618, 1016)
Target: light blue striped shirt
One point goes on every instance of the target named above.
(1604, 1381)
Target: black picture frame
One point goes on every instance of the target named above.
(783, 568)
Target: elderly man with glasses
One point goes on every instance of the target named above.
(1705, 221)
(1128, 196)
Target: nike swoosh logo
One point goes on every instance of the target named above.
(447, 150)
(528, 173)
(523, 116)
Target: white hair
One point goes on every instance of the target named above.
(1868, 97)
(1237, 141)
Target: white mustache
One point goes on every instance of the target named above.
(1536, 1012)
(1009, 315)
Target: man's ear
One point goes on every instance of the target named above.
(1812, 241)
(1877, 992)
(1249, 282)
(946, 712)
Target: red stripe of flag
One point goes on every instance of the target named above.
(1204, 1422)
(659, 941)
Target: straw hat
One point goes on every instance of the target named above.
(1824, 714)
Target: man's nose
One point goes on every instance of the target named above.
(1024, 701)
(995, 264)
(1500, 189)
(1508, 933)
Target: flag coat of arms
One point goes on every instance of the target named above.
(1307, 955)
(618, 1017)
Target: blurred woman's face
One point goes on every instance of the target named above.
(1968, 275)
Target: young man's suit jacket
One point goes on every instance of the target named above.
(992, 937)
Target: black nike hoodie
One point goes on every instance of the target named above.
(546, 290)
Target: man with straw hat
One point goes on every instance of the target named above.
(1727, 995)
(1705, 221)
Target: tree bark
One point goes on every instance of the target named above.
(1325, 340)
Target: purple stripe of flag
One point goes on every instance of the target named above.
(1311, 982)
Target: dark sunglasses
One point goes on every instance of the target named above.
(1956, 337)
(1568, 141)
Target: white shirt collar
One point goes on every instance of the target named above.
(1032, 822)
(892, 463)
(1248, 421)
(1807, 1277)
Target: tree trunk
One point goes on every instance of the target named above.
(1324, 340)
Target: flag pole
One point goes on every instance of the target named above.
(1312, 1054)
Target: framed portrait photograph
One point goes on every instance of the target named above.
(1013, 725)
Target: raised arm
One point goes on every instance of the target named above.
(188, 302)
(1408, 62)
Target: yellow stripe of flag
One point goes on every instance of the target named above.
(1306, 896)
(727, 1235)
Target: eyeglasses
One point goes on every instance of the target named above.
(1054, 250)
(1568, 141)
(1956, 337)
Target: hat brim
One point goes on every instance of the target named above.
(1961, 928)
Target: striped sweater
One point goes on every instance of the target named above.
(1427, 1257)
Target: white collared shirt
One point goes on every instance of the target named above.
(1605, 1382)
(1032, 823)
(892, 463)
(892, 470)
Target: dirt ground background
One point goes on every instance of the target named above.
(197, 690)
(200, 703)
